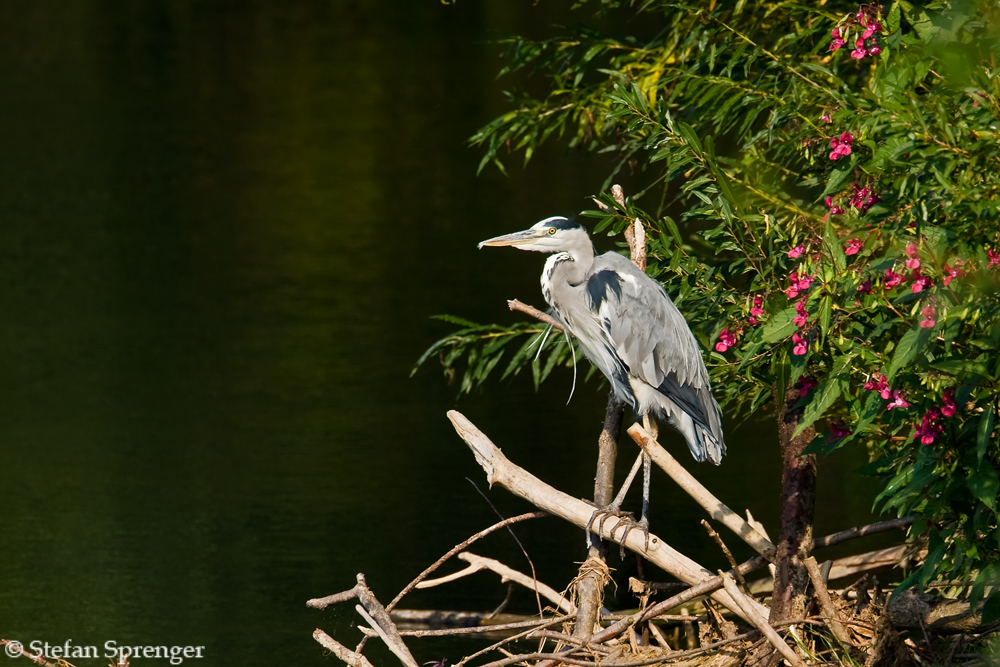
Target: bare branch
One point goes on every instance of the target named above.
(345, 654)
(461, 547)
(759, 622)
(477, 563)
(861, 531)
(539, 315)
(715, 508)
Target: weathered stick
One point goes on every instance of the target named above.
(715, 507)
(759, 622)
(825, 603)
(500, 470)
(478, 563)
(539, 315)
(345, 654)
(391, 639)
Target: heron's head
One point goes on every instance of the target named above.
(556, 234)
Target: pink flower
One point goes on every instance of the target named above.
(852, 247)
(796, 251)
(757, 309)
(928, 321)
(826, 117)
(948, 407)
(912, 261)
(892, 279)
(841, 145)
(897, 401)
(920, 283)
(950, 273)
(859, 51)
(800, 345)
(928, 428)
(865, 287)
(993, 256)
(726, 341)
(838, 431)
(863, 198)
(837, 39)
(834, 209)
(805, 384)
(798, 284)
(879, 384)
(803, 315)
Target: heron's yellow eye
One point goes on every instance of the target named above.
(552, 230)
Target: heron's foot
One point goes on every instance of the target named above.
(625, 520)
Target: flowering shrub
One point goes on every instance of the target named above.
(805, 254)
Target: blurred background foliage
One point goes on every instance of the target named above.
(822, 187)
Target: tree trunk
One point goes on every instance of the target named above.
(798, 502)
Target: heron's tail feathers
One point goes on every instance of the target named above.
(703, 443)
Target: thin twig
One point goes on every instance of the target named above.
(825, 603)
(461, 547)
(345, 654)
(539, 315)
(664, 657)
(729, 554)
(861, 531)
(482, 629)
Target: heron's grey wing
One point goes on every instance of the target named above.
(654, 340)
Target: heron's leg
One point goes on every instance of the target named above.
(614, 509)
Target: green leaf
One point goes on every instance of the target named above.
(991, 609)
(826, 393)
(779, 327)
(690, 138)
(984, 486)
(909, 346)
(983, 432)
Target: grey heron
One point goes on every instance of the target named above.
(630, 329)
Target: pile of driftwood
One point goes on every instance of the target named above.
(856, 625)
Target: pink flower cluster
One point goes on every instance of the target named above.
(803, 314)
(805, 384)
(798, 284)
(864, 198)
(834, 209)
(892, 279)
(952, 272)
(727, 340)
(867, 43)
(930, 424)
(993, 256)
(894, 396)
(928, 312)
(756, 311)
(796, 251)
(799, 347)
(852, 247)
(841, 145)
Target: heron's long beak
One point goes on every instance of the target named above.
(515, 239)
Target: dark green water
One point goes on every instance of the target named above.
(223, 227)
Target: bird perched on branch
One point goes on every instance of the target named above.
(630, 329)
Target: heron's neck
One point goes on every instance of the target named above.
(571, 266)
